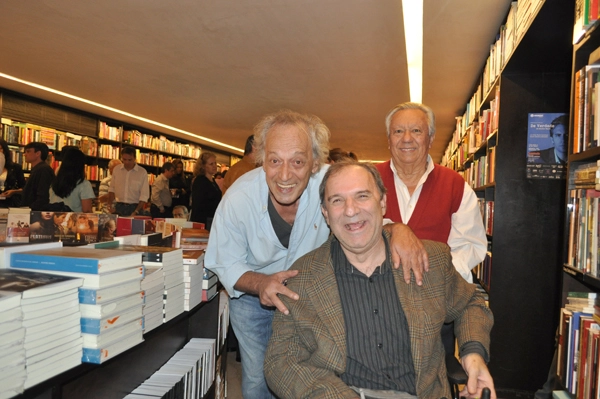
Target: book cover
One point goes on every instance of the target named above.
(72, 259)
(107, 227)
(32, 284)
(193, 257)
(17, 225)
(547, 143)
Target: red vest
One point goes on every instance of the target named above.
(440, 198)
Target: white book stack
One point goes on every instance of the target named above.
(209, 285)
(123, 306)
(12, 349)
(153, 285)
(193, 276)
(50, 308)
(188, 374)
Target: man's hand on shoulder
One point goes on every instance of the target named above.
(479, 376)
(267, 287)
(408, 251)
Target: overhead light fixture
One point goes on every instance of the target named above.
(412, 12)
(118, 111)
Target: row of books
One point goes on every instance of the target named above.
(483, 271)
(187, 375)
(25, 133)
(586, 15)
(161, 143)
(582, 218)
(486, 207)
(109, 151)
(586, 124)
(469, 137)
(578, 353)
(481, 171)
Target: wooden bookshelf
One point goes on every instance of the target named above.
(524, 280)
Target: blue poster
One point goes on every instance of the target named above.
(547, 145)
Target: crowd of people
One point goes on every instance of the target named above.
(311, 244)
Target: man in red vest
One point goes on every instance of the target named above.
(434, 201)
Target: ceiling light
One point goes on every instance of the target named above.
(118, 111)
(412, 11)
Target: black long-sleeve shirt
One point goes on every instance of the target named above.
(36, 193)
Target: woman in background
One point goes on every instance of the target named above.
(206, 194)
(179, 185)
(12, 178)
(70, 186)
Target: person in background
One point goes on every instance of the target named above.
(180, 212)
(218, 178)
(104, 184)
(246, 164)
(70, 185)
(337, 155)
(12, 178)
(334, 344)
(206, 194)
(269, 218)
(434, 201)
(36, 193)
(161, 194)
(559, 134)
(180, 185)
(129, 185)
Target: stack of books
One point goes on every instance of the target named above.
(171, 261)
(153, 285)
(193, 277)
(110, 296)
(12, 349)
(209, 285)
(50, 317)
(192, 238)
(188, 374)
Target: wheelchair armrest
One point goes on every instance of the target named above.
(456, 374)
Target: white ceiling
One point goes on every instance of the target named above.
(214, 67)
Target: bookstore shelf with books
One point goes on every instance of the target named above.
(528, 71)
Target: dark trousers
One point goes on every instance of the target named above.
(123, 209)
(155, 212)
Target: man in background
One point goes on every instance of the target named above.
(357, 329)
(161, 194)
(129, 185)
(246, 164)
(180, 212)
(36, 193)
(559, 134)
(434, 201)
(104, 184)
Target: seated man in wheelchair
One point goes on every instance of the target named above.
(357, 329)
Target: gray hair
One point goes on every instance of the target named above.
(422, 107)
(314, 128)
(339, 166)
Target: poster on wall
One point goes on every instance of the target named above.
(547, 142)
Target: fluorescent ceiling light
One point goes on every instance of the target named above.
(118, 111)
(412, 11)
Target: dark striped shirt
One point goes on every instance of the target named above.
(377, 336)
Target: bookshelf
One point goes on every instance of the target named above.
(26, 119)
(528, 71)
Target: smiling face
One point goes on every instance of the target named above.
(408, 138)
(354, 208)
(289, 163)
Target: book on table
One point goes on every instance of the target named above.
(32, 284)
(105, 279)
(105, 309)
(94, 296)
(74, 259)
(100, 355)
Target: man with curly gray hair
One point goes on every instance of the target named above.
(267, 219)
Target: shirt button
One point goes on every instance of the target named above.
(370, 279)
(380, 346)
(376, 311)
